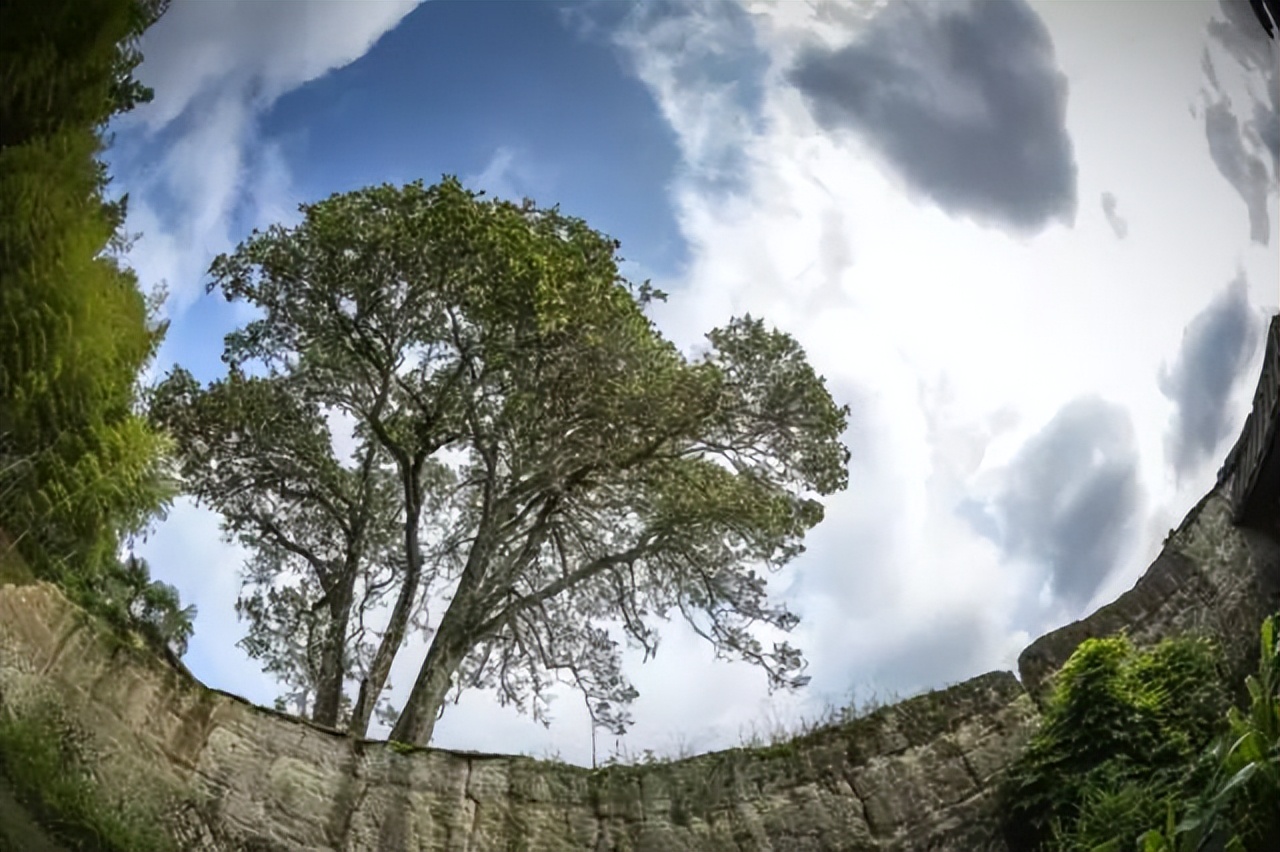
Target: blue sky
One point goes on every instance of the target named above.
(558, 116)
(1033, 246)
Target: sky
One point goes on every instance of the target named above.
(1033, 246)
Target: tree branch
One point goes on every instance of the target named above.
(566, 581)
(323, 573)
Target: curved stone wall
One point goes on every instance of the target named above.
(917, 775)
(237, 777)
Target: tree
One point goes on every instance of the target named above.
(79, 468)
(559, 465)
(258, 449)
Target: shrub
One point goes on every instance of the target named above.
(1119, 733)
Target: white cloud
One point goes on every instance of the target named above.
(203, 174)
(511, 174)
(215, 68)
(954, 343)
(495, 178)
(680, 53)
(257, 50)
(188, 552)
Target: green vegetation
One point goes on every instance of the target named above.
(80, 469)
(1238, 808)
(51, 778)
(1139, 750)
(402, 748)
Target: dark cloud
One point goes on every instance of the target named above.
(1068, 499)
(1243, 170)
(1216, 346)
(1114, 219)
(1266, 123)
(1246, 150)
(964, 100)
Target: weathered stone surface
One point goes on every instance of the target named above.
(917, 775)
(1211, 578)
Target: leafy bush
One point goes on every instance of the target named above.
(1119, 733)
(1238, 809)
(1133, 739)
(80, 468)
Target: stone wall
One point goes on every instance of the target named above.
(919, 775)
(1211, 578)
(232, 776)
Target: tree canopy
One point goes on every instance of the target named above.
(531, 456)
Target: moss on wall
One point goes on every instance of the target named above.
(19, 830)
(51, 799)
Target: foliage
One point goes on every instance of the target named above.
(556, 462)
(321, 534)
(132, 600)
(1250, 753)
(79, 467)
(1238, 808)
(69, 63)
(50, 777)
(1080, 785)
(1118, 734)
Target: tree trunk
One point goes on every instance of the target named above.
(333, 657)
(461, 629)
(456, 636)
(417, 720)
(380, 669)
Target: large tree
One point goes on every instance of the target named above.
(560, 468)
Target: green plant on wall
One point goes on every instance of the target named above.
(49, 775)
(1238, 809)
(1119, 733)
(1140, 751)
(1251, 757)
